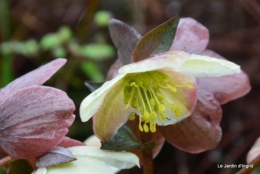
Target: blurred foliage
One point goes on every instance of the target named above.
(36, 32)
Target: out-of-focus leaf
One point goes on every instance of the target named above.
(125, 39)
(64, 34)
(56, 156)
(6, 48)
(100, 51)
(20, 167)
(59, 52)
(92, 71)
(49, 41)
(31, 47)
(102, 17)
(157, 40)
(92, 86)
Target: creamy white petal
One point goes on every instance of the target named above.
(93, 141)
(168, 60)
(40, 171)
(92, 102)
(121, 160)
(83, 165)
(205, 66)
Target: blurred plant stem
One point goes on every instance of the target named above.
(147, 155)
(84, 24)
(7, 74)
(255, 163)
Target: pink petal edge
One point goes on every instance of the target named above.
(35, 77)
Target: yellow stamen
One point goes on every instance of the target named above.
(143, 92)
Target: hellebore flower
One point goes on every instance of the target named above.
(92, 160)
(200, 131)
(34, 118)
(161, 90)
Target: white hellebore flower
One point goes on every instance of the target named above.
(161, 90)
(92, 160)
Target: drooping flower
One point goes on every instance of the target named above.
(161, 90)
(92, 160)
(200, 131)
(34, 118)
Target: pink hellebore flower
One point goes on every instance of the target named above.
(200, 131)
(34, 118)
(161, 90)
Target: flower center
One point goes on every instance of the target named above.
(143, 92)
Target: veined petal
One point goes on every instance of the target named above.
(32, 117)
(204, 66)
(35, 77)
(92, 102)
(121, 160)
(112, 114)
(200, 131)
(191, 36)
(185, 97)
(167, 60)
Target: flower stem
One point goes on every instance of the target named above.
(255, 163)
(147, 155)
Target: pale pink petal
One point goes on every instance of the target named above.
(225, 88)
(112, 114)
(34, 120)
(200, 131)
(185, 97)
(68, 142)
(254, 152)
(35, 77)
(191, 37)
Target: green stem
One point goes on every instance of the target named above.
(7, 75)
(84, 24)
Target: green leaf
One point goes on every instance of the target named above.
(20, 167)
(92, 86)
(157, 40)
(92, 71)
(126, 140)
(123, 140)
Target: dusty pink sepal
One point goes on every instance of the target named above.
(35, 77)
(225, 88)
(200, 131)
(191, 37)
(34, 120)
(254, 152)
(68, 142)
